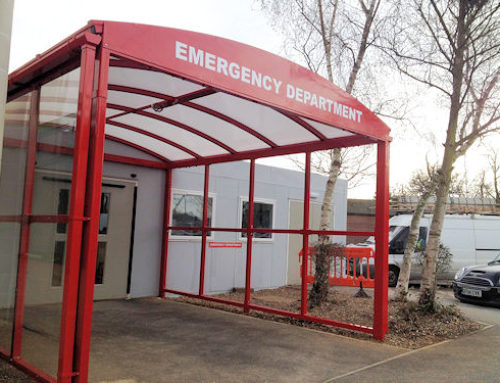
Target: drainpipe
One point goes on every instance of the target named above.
(6, 12)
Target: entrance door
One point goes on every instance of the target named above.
(46, 271)
(295, 241)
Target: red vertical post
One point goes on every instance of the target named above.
(76, 209)
(305, 236)
(204, 231)
(24, 240)
(380, 317)
(91, 229)
(166, 223)
(248, 273)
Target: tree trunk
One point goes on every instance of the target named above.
(404, 274)
(319, 290)
(428, 286)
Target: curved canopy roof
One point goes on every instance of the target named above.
(189, 98)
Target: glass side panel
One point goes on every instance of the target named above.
(44, 291)
(12, 179)
(56, 134)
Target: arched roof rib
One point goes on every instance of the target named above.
(189, 98)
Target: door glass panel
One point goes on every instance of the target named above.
(99, 269)
(104, 216)
(58, 263)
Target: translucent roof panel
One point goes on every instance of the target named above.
(223, 131)
(274, 125)
(130, 100)
(181, 136)
(151, 80)
(167, 151)
(327, 130)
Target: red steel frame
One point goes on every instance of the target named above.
(83, 218)
(380, 317)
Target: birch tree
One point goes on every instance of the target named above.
(333, 38)
(424, 185)
(452, 46)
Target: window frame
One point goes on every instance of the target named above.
(240, 217)
(194, 238)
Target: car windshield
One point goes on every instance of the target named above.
(496, 259)
(393, 231)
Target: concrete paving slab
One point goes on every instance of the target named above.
(153, 341)
(468, 359)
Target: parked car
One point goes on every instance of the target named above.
(479, 284)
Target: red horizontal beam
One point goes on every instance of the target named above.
(15, 143)
(205, 297)
(270, 310)
(313, 146)
(277, 231)
(11, 218)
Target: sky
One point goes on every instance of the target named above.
(38, 25)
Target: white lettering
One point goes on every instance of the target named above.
(352, 114)
(267, 82)
(330, 102)
(277, 85)
(195, 56)
(337, 108)
(299, 94)
(222, 65)
(345, 111)
(210, 61)
(307, 97)
(245, 74)
(322, 103)
(314, 100)
(234, 71)
(181, 50)
(261, 80)
(359, 115)
(257, 79)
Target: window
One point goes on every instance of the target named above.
(187, 211)
(104, 213)
(262, 218)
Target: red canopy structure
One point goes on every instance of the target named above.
(187, 99)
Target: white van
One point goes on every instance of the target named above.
(472, 239)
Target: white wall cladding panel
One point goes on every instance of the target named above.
(270, 123)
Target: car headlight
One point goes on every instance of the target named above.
(460, 273)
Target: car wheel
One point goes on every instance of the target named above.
(393, 276)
